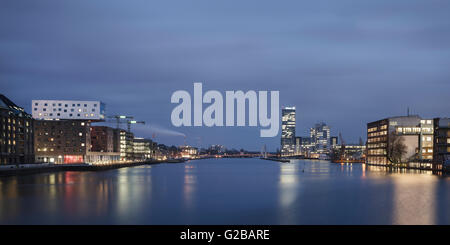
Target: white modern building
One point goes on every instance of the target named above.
(67, 109)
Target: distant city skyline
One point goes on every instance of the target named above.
(345, 63)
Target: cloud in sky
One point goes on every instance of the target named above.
(342, 62)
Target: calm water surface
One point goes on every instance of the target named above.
(228, 191)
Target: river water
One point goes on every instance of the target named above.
(228, 191)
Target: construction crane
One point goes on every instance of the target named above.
(118, 118)
(129, 122)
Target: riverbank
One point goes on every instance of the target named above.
(410, 168)
(275, 159)
(12, 170)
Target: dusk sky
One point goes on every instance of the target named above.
(342, 62)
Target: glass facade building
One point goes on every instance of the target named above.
(320, 137)
(288, 131)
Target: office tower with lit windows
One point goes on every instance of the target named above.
(126, 144)
(412, 132)
(16, 134)
(320, 137)
(143, 149)
(288, 131)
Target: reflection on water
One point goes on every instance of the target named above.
(190, 181)
(288, 188)
(408, 207)
(228, 191)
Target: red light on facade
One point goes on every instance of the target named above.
(73, 159)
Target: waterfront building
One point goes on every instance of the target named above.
(126, 142)
(306, 146)
(350, 152)
(413, 132)
(216, 149)
(320, 137)
(143, 149)
(62, 141)
(102, 139)
(70, 141)
(16, 134)
(188, 151)
(68, 109)
(288, 131)
(441, 142)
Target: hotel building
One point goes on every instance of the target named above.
(288, 131)
(67, 109)
(63, 132)
(16, 134)
(62, 141)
